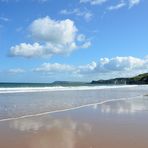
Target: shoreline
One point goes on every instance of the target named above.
(70, 109)
(61, 88)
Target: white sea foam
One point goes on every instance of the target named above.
(59, 88)
(68, 109)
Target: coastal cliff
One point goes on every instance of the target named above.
(140, 79)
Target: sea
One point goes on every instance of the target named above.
(21, 100)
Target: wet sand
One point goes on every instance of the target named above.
(117, 124)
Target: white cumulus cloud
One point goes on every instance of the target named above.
(121, 64)
(110, 67)
(58, 32)
(55, 67)
(28, 50)
(52, 37)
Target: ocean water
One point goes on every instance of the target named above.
(24, 101)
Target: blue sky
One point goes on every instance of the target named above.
(77, 40)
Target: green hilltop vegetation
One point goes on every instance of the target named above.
(140, 79)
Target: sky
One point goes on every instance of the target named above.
(72, 40)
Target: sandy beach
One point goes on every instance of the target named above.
(114, 124)
(73, 74)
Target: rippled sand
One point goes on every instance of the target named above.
(117, 124)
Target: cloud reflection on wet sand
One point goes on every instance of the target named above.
(51, 132)
(88, 127)
(124, 106)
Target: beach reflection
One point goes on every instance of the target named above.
(86, 127)
(51, 132)
(125, 106)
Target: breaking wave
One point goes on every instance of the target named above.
(59, 88)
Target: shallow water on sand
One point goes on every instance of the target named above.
(15, 105)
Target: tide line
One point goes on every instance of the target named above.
(68, 109)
